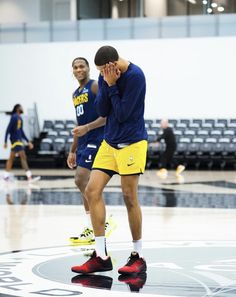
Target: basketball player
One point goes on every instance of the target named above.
(88, 136)
(17, 136)
(167, 157)
(123, 151)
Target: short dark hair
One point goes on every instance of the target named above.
(106, 54)
(15, 108)
(80, 58)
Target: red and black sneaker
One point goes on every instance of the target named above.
(93, 281)
(94, 264)
(136, 282)
(134, 265)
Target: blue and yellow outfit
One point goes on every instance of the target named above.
(17, 135)
(124, 148)
(85, 113)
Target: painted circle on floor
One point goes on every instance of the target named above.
(175, 269)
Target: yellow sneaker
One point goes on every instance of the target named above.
(86, 237)
(179, 169)
(162, 173)
(110, 226)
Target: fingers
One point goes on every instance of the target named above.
(79, 131)
(74, 131)
(71, 160)
(30, 145)
(70, 163)
(111, 69)
(111, 73)
(105, 71)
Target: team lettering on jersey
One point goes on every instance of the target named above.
(82, 98)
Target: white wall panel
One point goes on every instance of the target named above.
(185, 77)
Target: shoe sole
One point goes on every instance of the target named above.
(74, 242)
(133, 273)
(35, 179)
(100, 270)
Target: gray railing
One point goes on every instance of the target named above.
(125, 28)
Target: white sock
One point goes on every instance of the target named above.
(138, 246)
(89, 223)
(28, 173)
(100, 246)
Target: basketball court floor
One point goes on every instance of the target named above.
(189, 234)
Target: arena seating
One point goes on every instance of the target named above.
(57, 137)
(201, 143)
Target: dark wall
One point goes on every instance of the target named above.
(93, 9)
(183, 7)
(89, 9)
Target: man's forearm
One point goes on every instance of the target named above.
(73, 147)
(99, 122)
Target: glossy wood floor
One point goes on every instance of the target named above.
(24, 225)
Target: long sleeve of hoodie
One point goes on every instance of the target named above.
(102, 101)
(11, 127)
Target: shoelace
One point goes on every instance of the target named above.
(131, 260)
(86, 232)
(94, 255)
(106, 225)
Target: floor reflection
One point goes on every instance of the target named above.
(93, 281)
(134, 282)
(148, 196)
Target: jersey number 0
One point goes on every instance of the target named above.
(80, 110)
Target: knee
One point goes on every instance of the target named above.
(79, 181)
(129, 198)
(92, 194)
(22, 157)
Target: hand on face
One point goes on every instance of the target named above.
(111, 74)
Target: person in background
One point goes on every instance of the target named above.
(17, 138)
(167, 157)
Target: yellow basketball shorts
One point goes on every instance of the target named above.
(125, 161)
(17, 146)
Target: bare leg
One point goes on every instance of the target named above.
(129, 186)
(10, 161)
(81, 180)
(23, 160)
(93, 192)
